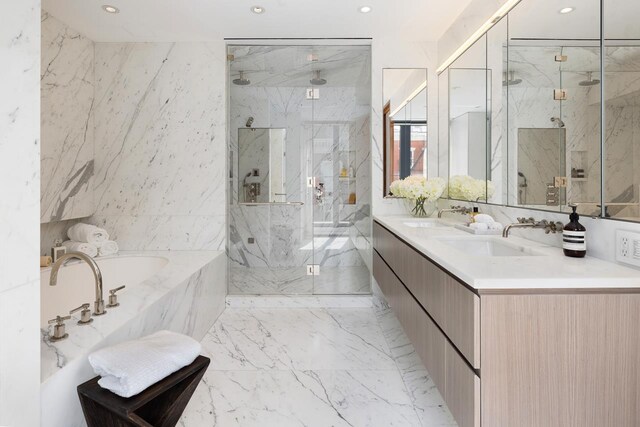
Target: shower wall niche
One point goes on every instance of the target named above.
(300, 170)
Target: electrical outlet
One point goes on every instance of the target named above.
(628, 247)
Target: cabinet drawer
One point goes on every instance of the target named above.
(425, 336)
(462, 389)
(453, 306)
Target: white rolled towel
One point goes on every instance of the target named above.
(88, 233)
(483, 219)
(130, 367)
(85, 248)
(108, 248)
(495, 226)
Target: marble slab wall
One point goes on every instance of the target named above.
(160, 152)
(20, 212)
(67, 100)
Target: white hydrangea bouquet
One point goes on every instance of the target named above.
(419, 190)
(464, 187)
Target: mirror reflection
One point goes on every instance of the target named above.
(405, 124)
(469, 82)
(261, 161)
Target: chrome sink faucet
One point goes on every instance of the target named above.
(459, 209)
(547, 226)
(98, 307)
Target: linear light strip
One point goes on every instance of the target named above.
(408, 99)
(499, 14)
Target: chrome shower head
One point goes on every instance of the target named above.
(241, 81)
(317, 80)
(590, 80)
(510, 79)
(249, 122)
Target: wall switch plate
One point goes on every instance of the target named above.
(561, 58)
(313, 270)
(628, 247)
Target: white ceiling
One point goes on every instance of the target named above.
(201, 20)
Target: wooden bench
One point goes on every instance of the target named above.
(160, 405)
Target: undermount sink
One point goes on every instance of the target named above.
(424, 223)
(488, 247)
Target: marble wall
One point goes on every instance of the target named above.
(160, 156)
(67, 100)
(19, 210)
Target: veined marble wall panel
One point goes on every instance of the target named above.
(20, 213)
(67, 100)
(160, 160)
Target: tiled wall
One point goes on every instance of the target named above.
(19, 212)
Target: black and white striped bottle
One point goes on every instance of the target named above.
(574, 236)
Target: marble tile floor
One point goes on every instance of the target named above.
(313, 367)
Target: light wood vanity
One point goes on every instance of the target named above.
(516, 357)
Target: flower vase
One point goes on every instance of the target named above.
(421, 208)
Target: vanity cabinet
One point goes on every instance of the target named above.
(516, 357)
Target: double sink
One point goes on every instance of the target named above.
(479, 246)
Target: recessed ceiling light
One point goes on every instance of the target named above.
(257, 9)
(110, 9)
(567, 10)
(365, 9)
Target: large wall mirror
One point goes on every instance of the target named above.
(543, 82)
(405, 124)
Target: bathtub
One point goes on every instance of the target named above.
(183, 291)
(76, 284)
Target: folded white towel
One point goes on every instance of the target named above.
(108, 248)
(495, 226)
(85, 248)
(483, 218)
(87, 233)
(130, 367)
(479, 226)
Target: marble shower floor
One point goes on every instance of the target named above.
(313, 367)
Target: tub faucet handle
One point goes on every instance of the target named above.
(113, 298)
(85, 314)
(59, 332)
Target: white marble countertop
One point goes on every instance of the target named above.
(550, 270)
(133, 300)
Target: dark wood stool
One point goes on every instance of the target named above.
(160, 405)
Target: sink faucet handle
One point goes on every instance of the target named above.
(59, 332)
(85, 314)
(113, 298)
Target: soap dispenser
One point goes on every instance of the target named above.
(574, 243)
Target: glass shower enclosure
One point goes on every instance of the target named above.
(299, 149)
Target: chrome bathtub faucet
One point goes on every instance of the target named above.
(98, 307)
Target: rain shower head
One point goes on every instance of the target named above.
(590, 80)
(241, 81)
(510, 79)
(317, 80)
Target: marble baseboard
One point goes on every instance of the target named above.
(277, 301)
